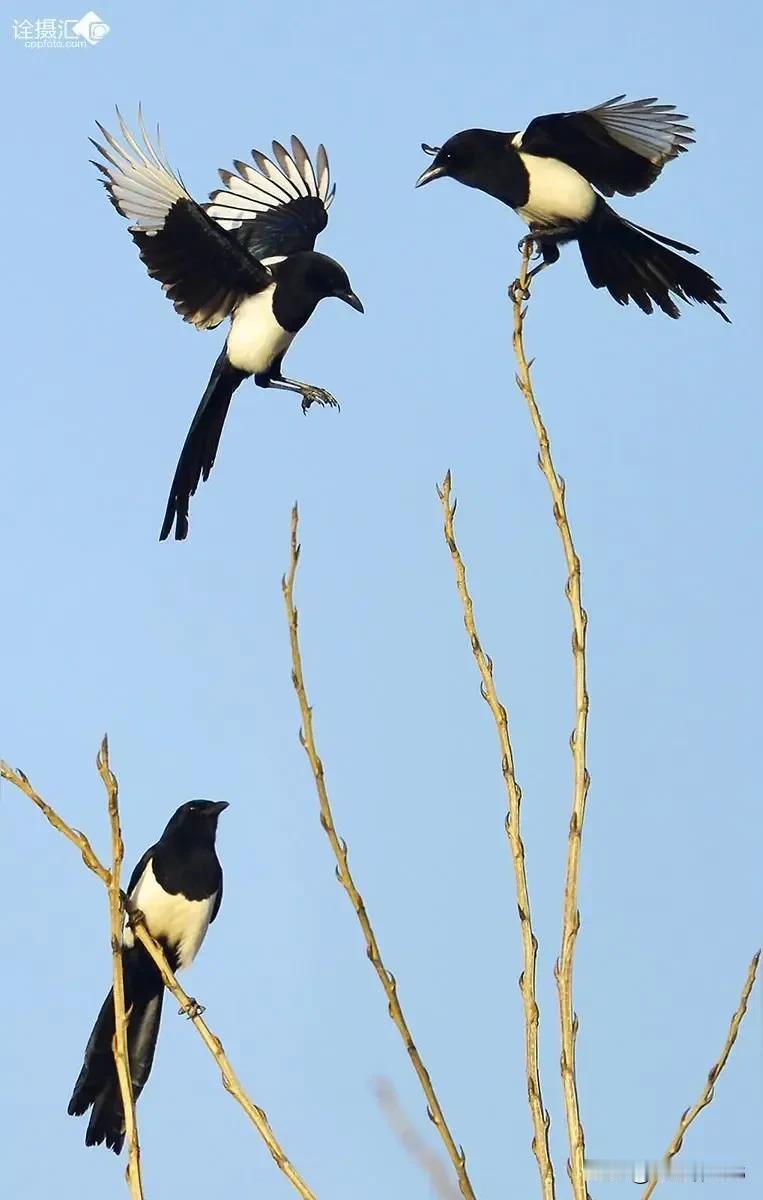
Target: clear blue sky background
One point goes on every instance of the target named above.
(181, 651)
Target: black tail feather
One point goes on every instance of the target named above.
(97, 1084)
(200, 447)
(636, 264)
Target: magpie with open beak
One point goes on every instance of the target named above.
(247, 255)
(555, 175)
(178, 886)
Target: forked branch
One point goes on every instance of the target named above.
(339, 847)
(540, 1117)
(571, 916)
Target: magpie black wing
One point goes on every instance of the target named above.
(204, 271)
(139, 869)
(616, 147)
(279, 205)
(218, 900)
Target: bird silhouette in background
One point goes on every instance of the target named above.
(555, 176)
(247, 255)
(178, 886)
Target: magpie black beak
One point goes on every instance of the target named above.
(351, 299)
(218, 808)
(433, 172)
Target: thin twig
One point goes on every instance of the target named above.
(563, 970)
(539, 1114)
(188, 1005)
(339, 847)
(116, 911)
(708, 1092)
(413, 1143)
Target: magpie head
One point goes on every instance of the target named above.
(196, 820)
(468, 157)
(320, 276)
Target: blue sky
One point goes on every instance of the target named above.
(181, 651)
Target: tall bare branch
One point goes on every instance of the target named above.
(571, 916)
(539, 1114)
(339, 847)
(117, 914)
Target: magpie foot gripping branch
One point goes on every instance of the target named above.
(192, 1009)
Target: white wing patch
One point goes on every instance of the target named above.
(180, 922)
(653, 131)
(141, 182)
(269, 184)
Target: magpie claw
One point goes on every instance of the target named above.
(192, 1010)
(531, 240)
(316, 395)
(518, 293)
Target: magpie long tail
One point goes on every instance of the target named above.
(97, 1084)
(636, 264)
(200, 447)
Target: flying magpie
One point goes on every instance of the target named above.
(178, 886)
(555, 175)
(247, 255)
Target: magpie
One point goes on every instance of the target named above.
(247, 255)
(555, 176)
(178, 886)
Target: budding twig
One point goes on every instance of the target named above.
(571, 916)
(339, 847)
(541, 1120)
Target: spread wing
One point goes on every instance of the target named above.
(617, 147)
(204, 271)
(276, 207)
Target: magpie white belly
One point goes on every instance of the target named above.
(557, 192)
(180, 922)
(255, 337)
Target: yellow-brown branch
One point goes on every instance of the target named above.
(571, 916)
(116, 912)
(433, 1166)
(339, 847)
(540, 1117)
(709, 1089)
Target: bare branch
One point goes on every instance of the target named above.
(188, 1005)
(339, 847)
(709, 1090)
(116, 911)
(571, 917)
(19, 780)
(413, 1143)
(540, 1117)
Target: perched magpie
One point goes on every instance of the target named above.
(247, 255)
(555, 175)
(178, 886)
